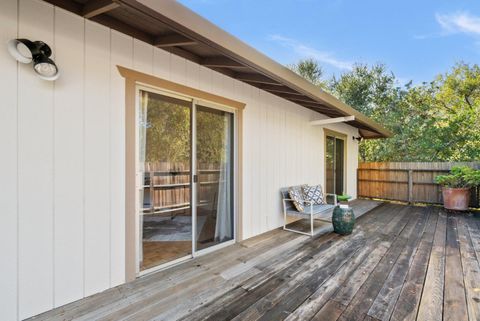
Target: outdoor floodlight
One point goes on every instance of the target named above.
(38, 52)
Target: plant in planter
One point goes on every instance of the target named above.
(457, 185)
(343, 199)
(343, 218)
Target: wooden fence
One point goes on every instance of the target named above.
(407, 182)
(167, 186)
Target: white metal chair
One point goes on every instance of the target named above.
(312, 211)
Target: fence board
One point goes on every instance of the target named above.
(407, 181)
(167, 186)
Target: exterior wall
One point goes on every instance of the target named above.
(62, 222)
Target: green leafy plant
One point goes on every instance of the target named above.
(432, 121)
(473, 177)
(460, 177)
(343, 198)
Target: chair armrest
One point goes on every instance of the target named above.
(335, 202)
(305, 201)
(308, 204)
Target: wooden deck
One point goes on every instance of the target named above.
(401, 263)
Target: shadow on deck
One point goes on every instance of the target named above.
(400, 263)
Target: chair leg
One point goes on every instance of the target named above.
(299, 232)
(311, 225)
(296, 231)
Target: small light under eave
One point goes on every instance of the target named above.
(38, 52)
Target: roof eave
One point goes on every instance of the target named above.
(231, 46)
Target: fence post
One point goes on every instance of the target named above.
(410, 186)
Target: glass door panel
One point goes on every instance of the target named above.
(164, 161)
(335, 165)
(339, 164)
(330, 164)
(214, 165)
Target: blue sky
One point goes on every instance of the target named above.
(415, 39)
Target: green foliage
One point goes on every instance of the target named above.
(168, 134)
(473, 178)
(311, 70)
(460, 177)
(432, 121)
(211, 137)
(343, 198)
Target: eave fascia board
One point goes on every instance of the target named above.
(184, 20)
(327, 121)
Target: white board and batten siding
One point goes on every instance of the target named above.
(62, 226)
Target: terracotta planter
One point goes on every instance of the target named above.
(456, 199)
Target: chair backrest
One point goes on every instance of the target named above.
(284, 192)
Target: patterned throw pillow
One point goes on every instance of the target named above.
(297, 197)
(314, 194)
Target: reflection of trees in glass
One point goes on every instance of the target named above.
(168, 132)
(210, 136)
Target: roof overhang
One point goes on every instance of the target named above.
(327, 121)
(175, 28)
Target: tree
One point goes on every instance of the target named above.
(311, 70)
(371, 90)
(457, 113)
(433, 121)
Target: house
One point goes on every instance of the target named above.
(96, 184)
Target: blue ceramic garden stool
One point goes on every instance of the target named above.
(343, 220)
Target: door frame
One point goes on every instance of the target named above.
(336, 135)
(132, 79)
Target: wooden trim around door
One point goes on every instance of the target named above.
(130, 180)
(132, 79)
(153, 81)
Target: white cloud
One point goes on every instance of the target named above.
(460, 22)
(306, 51)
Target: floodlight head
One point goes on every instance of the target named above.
(45, 68)
(21, 50)
(38, 52)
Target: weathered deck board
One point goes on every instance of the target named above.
(471, 267)
(454, 302)
(431, 304)
(384, 303)
(375, 248)
(407, 304)
(400, 263)
(365, 296)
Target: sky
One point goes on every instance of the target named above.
(416, 40)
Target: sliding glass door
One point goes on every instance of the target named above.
(214, 159)
(185, 170)
(164, 140)
(335, 164)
